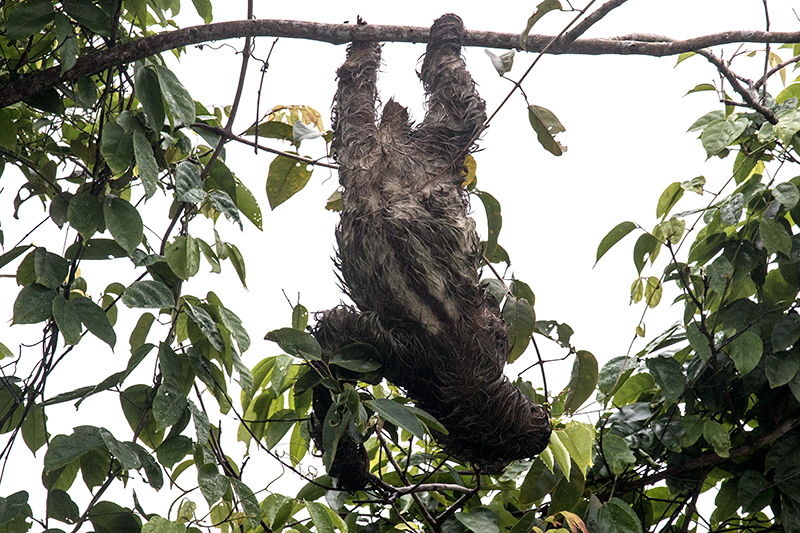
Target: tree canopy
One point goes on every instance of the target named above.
(697, 431)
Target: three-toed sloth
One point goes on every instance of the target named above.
(409, 258)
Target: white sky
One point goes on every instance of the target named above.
(626, 121)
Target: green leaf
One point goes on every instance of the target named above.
(188, 183)
(146, 164)
(61, 507)
(248, 205)
(68, 323)
(203, 8)
(280, 423)
(8, 131)
(397, 414)
(521, 321)
(124, 222)
(731, 211)
(176, 95)
(428, 420)
(668, 374)
(97, 249)
(148, 91)
(155, 478)
(297, 343)
(108, 517)
(140, 331)
(782, 367)
(116, 146)
(546, 125)
(156, 524)
(299, 317)
(33, 429)
(786, 332)
(560, 453)
(206, 324)
(64, 449)
(148, 294)
(614, 373)
(28, 17)
(715, 434)
(128, 459)
(755, 492)
(12, 254)
(94, 318)
(538, 483)
(212, 484)
(51, 269)
(788, 124)
(34, 304)
(720, 274)
(668, 199)
(616, 516)
(719, 134)
(85, 214)
(618, 453)
(653, 289)
(88, 14)
(234, 325)
(248, 501)
(494, 220)
(582, 381)
(357, 357)
(479, 520)
(578, 439)
(168, 405)
(319, 516)
(646, 245)
(672, 230)
(173, 450)
(285, 179)
(787, 194)
(11, 506)
(202, 426)
(775, 237)
(698, 341)
(541, 10)
(237, 260)
(502, 63)
(613, 237)
(746, 351)
(183, 256)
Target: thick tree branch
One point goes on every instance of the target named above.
(122, 54)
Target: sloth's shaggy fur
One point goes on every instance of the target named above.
(409, 257)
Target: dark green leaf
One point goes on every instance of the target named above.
(617, 451)
(12, 254)
(176, 95)
(173, 450)
(397, 414)
(128, 458)
(148, 294)
(537, 483)
(285, 179)
(248, 205)
(88, 14)
(746, 351)
(64, 449)
(669, 376)
(183, 256)
(248, 501)
(731, 211)
(297, 343)
(775, 237)
(238, 262)
(33, 304)
(116, 145)
(541, 10)
(614, 373)
(787, 194)
(299, 317)
(782, 367)
(613, 237)
(494, 220)
(546, 125)
(755, 492)
(616, 516)
(168, 405)
(357, 357)
(212, 484)
(715, 434)
(85, 214)
(521, 321)
(68, 323)
(124, 222)
(97, 249)
(479, 520)
(206, 324)
(188, 185)
(146, 164)
(51, 269)
(28, 17)
(33, 429)
(786, 332)
(108, 517)
(582, 381)
(61, 507)
(94, 318)
(11, 506)
(717, 135)
(225, 205)
(148, 91)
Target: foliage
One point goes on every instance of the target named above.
(712, 403)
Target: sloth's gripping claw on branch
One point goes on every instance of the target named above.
(409, 258)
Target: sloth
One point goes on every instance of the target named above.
(409, 258)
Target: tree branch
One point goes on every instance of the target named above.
(711, 460)
(122, 54)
